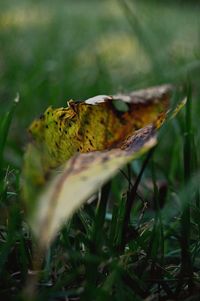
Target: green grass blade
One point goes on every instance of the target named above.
(131, 198)
(4, 129)
(186, 264)
(143, 38)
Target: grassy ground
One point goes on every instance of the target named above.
(52, 51)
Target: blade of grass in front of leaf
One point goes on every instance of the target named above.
(4, 128)
(130, 200)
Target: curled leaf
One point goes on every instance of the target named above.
(79, 178)
(77, 149)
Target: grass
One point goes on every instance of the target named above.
(51, 51)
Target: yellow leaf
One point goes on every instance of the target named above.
(76, 149)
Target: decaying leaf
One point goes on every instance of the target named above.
(77, 149)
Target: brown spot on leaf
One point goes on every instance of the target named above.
(62, 116)
(91, 143)
(102, 121)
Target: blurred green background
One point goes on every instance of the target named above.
(52, 51)
(55, 50)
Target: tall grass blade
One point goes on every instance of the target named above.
(4, 129)
(131, 198)
(186, 264)
(143, 38)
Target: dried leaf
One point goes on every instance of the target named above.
(95, 139)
